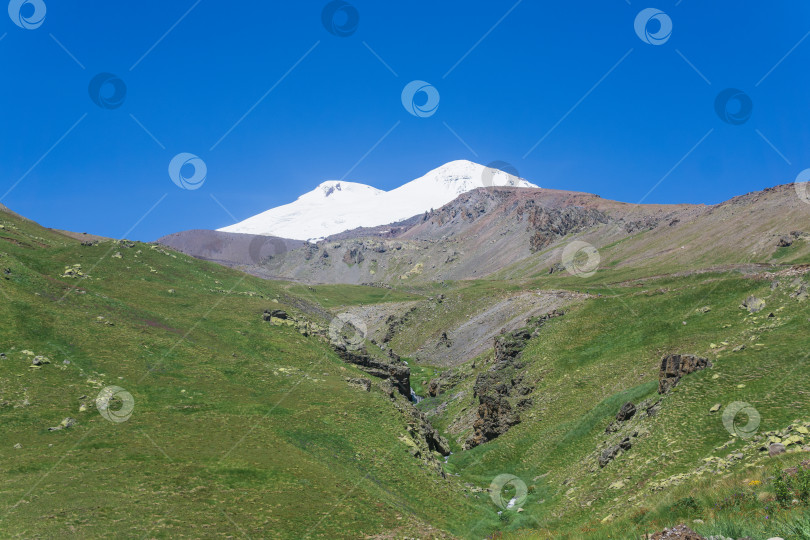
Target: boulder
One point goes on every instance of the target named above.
(64, 424)
(270, 314)
(784, 241)
(675, 366)
(775, 449)
(39, 361)
(627, 412)
(753, 304)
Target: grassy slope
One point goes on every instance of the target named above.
(246, 429)
(605, 352)
(240, 428)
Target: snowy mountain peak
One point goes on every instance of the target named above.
(336, 205)
(338, 189)
(465, 175)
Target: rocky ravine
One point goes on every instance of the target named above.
(422, 439)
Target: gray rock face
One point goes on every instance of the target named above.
(675, 366)
(353, 255)
(549, 224)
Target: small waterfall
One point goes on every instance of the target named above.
(415, 398)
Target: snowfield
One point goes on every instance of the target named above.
(336, 206)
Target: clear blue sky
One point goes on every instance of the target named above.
(507, 93)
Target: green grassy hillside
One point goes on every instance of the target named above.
(239, 427)
(243, 428)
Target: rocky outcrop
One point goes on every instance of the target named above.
(550, 224)
(784, 241)
(393, 323)
(800, 293)
(445, 382)
(359, 383)
(353, 255)
(444, 341)
(612, 452)
(631, 423)
(310, 251)
(421, 438)
(675, 366)
(627, 412)
(501, 390)
(648, 223)
(495, 417)
(269, 314)
(391, 368)
(67, 423)
(398, 374)
(423, 428)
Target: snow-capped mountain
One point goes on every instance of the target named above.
(337, 206)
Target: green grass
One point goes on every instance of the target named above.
(422, 374)
(243, 428)
(796, 253)
(221, 440)
(738, 505)
(332, 296)
(606, 352)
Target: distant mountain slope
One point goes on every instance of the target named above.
(479, 233)
(337, 206)
(510, 233)
(230, 249)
